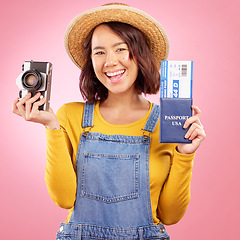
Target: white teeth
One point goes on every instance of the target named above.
(114, 73)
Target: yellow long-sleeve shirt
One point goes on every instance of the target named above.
(170, 171)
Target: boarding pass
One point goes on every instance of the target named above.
(176, 79)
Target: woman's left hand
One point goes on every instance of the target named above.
(195, 133)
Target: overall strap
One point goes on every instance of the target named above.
(87, 117)
(151, 122)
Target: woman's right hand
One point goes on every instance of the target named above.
(28, 108)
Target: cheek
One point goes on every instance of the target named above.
(98, 62)
(96, 66)
(134, 68)
(93, 63)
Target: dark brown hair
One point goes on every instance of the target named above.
(148, 79)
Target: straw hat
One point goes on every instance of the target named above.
(82, 24)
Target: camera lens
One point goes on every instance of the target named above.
(31, 80)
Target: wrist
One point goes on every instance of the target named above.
(54, 125)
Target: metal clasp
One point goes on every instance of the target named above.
(86, 131)
(146, 134)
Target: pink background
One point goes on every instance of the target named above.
(206, 32)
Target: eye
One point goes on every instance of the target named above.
(121, 49)
(99, 53)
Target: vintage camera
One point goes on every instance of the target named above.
(36, 77)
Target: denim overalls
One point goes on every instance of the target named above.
(113, 189)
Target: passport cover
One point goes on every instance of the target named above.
(173, 113)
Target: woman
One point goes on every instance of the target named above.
(104, 159)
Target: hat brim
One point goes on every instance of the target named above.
(80, 27)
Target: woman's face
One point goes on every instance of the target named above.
(111, 61)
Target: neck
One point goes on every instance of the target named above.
(123, 108)
(124, 101)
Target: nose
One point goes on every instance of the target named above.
(111, 60)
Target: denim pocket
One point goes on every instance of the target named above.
(110, 177)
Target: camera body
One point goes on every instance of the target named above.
(36, 77)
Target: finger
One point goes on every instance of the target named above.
(14, 107)
(29, 103)
(21, 104)
(34, 113)
(36, 105)
(196, 110)
(24, 99)
(191, 130)
(191, 120)
(194, 134)
(198, 134)
(195, 128)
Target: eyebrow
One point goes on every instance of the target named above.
(114, 45)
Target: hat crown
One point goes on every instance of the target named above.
(80, 27)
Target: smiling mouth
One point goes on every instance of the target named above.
(116, 76)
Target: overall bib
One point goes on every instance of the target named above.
(113, 188)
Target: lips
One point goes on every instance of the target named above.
(115, 76)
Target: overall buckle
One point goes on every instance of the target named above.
(146, 134)
(86, 131)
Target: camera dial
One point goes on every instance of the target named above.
(31, 80)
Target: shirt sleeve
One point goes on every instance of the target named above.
(175, 194)
(60, 175)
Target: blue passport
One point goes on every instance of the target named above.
(173, 113)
